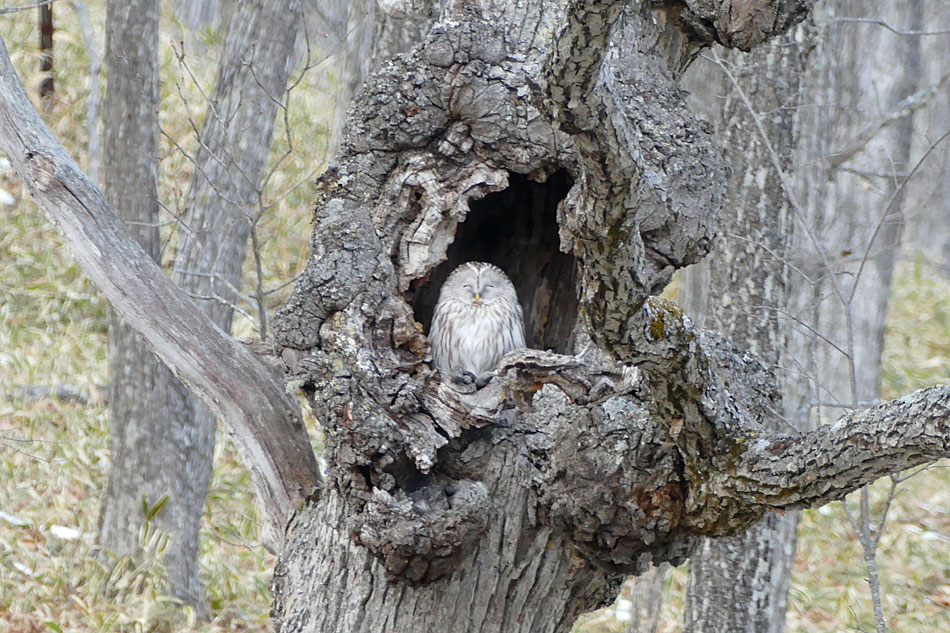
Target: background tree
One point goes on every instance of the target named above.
(163, 444)
(857, 124)
(150, 464)
(683, 409)
(740, 583)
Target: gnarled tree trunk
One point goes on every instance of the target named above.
(550, 138)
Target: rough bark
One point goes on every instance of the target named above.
(245, 392)
(506, 122)
(739, 583)
(150, 454)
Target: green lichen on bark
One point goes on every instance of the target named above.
(664, 315)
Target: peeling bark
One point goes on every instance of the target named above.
(505, 122)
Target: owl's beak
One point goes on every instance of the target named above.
(478, 297)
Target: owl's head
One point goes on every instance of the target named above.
(478, 283)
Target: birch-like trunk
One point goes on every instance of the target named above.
(163, 437)
(151, 454)
(739, 584)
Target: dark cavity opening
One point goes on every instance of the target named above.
(516, 229)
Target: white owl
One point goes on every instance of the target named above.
(477, 320)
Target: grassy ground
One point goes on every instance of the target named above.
(54, 456)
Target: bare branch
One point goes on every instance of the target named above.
(25, 7)
(248, 395)
(886, 25)
(780, 471)
(887, 210)
(903, 109)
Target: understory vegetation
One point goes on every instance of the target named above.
(54, 450)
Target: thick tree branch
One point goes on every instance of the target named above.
(780, 471)
(577, 51)
(248, 395)
(640, 212)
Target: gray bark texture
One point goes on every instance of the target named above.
(150, 453)
(546, 139)
(739, 584)
(224, 198)
(646, 593)
(199, 14)
(552, 139)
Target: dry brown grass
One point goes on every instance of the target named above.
(54, 456)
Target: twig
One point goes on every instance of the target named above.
(25, 7)
(880, 22)
(904, 108)
(887, 210)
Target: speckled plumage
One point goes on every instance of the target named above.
(477, 320)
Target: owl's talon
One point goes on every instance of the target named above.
(464, 379)
(483, 380)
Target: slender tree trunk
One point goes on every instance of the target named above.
(222, 206)
(739, 584)
(928, 205)
(46, 50)
(224, 200)
(859, 219)
(199, 14)
(151, 454)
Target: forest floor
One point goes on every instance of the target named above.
(54, 452)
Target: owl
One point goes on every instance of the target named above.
(477, 320)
